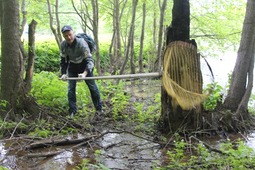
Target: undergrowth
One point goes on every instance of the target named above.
(50, 92)
(232, 155)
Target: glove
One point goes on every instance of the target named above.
(83, 75)
(63, 77)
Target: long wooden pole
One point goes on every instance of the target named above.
(126, 76)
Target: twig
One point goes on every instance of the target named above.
(70, 122)
(208, 146)
(52, 142)
(7, 114)
(147, 139)
(16, 127)
(45, 154)
(21, 138)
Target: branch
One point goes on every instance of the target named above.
(46, 154)
(208, 146)
(16, 127)
(61, 142)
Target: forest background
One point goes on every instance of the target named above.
(216, 26)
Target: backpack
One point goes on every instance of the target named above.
(91, 42)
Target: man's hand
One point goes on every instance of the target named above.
(63, 77)
(83, 75)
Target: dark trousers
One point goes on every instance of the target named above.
(94, 91)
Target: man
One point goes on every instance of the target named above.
(76, 61)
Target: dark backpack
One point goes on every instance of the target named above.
(91, 42)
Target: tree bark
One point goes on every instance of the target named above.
(24, 14)
(174, 119)
(12, 62)
(95, 33)
(56, 34)
(130, 37)
(242, 77)
(1, 10)
(161, 35)
(116, 41)
(142, 40)
(132, 54)
(31, 57)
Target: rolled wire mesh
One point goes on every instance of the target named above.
(182, 78)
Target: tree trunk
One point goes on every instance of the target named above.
(115, 49)
(142, 40)
(95, 33)
(24, 14)
(1, 10)
(175, 118)
(242, 77)
(12, 63)
(31, 57)
(57, 35)
(130, 36)
(154, 38)
(161, 35)
(132, 55)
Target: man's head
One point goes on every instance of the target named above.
(68, 33)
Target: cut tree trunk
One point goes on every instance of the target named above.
(177, 119)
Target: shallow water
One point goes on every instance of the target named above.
(117, 151)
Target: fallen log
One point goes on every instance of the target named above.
(44, 154)
(52, 142)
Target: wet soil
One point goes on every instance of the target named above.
(104, 143)
(117, 151)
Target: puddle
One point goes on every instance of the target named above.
(125, 151)
(117, 151)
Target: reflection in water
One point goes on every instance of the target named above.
(251, 141)
(118, 151)
(125, 151)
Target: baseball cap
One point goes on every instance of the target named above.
(66, 28)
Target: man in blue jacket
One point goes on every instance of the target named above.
(76, 61)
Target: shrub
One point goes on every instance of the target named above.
(47, 57)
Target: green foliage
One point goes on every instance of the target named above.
(147, 115)
(234, 156)
(104, 55)
(47, 57)
(7, 126)
(52, 92)
(214, 91)
(238, 155)
(3, 104)
(217, 25)
(43, 133)
(83, 165)
(119, 99)
(251, 105)
(49, 90)
(3, 168)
